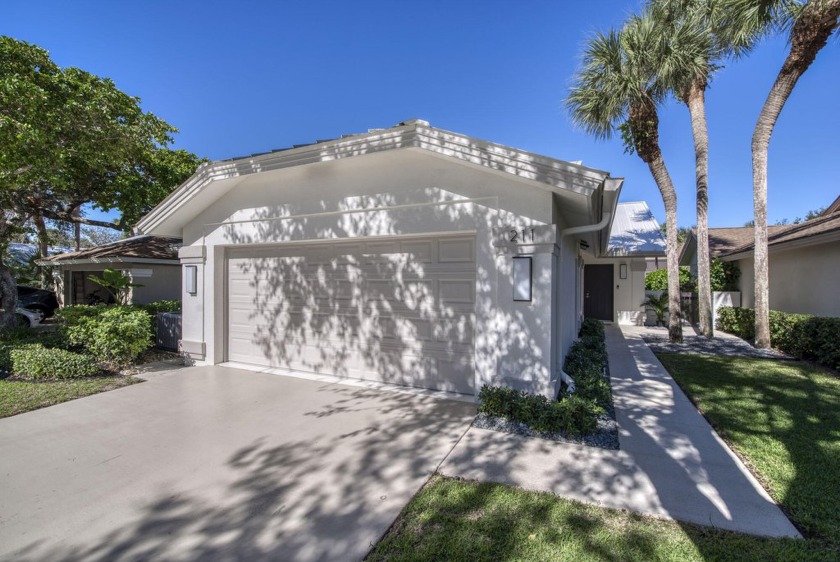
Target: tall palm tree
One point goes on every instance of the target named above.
(693, 54)
(810, 25)
(617, 90)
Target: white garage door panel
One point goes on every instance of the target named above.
(396, 311)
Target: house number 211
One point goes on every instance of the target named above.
(521, 236)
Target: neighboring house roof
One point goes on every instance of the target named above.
(137, 249)
(833, 208)
(825, 227)
(721, 241)
(583, 190)
(635, 232)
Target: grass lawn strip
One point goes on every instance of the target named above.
(459, 520)
(17, 396)
(783, 418)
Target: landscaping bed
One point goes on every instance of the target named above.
(91, 349)
(584, 416)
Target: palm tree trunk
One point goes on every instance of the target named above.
(812, 29)
(669, 198)
(696, 101)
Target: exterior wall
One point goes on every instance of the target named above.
(160, 281)
(802, 280)
(628, 294)
(400, 193)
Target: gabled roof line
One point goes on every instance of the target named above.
(553, 173)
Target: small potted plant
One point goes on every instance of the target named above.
(659, 305)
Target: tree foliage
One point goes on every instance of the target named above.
(70, 138)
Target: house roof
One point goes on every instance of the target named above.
(721, 241)
(585, 189)
(635, 232)
(137, 249)
(813, 231)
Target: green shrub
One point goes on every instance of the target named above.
(658, 280)
(155, 308)
(34, 361)
(572, 415)
(591, 327)
(73, 313)
(724, 275)
(804, 336)
(116, 334)
(737, 321)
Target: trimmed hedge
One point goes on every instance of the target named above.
(155, 308)
(658, 280)
(36, 362)
(572, 414)
(115, 334)
(816, 338)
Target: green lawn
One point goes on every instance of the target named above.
(456, 520)
(783, 418)
(17, 396)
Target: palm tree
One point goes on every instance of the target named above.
(693, 54)
(617, 90)
(810, 25)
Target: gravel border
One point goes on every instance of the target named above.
(719, 345)
(605, 436)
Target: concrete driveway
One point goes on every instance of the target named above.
(214, 463)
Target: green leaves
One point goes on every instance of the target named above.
(117, 283)
(69, 137)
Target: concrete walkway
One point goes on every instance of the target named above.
(671, 463)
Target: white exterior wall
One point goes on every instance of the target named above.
(628, 294)
(400, 193)
(802, 280)
(164, 283)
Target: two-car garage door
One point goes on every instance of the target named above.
(391, 310)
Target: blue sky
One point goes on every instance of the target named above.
(246, 76)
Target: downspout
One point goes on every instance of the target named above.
(605, 220)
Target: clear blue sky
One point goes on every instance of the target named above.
(246, 76)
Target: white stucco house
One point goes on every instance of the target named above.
(409, 255)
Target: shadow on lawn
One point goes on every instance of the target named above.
(787, 414)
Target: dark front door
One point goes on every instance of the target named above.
(598, 292)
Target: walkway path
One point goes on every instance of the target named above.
(671, 462)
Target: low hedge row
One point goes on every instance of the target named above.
(816, 338)
(572, 414)
(36, 362)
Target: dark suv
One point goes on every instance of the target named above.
(41, 300)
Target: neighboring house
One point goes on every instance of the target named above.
(150, 261)
(721, 241)
(804, 263)
(409, 255)
(614, 284)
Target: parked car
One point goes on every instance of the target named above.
(28, 318)
(40, 300)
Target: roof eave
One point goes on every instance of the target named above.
(556, 174)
